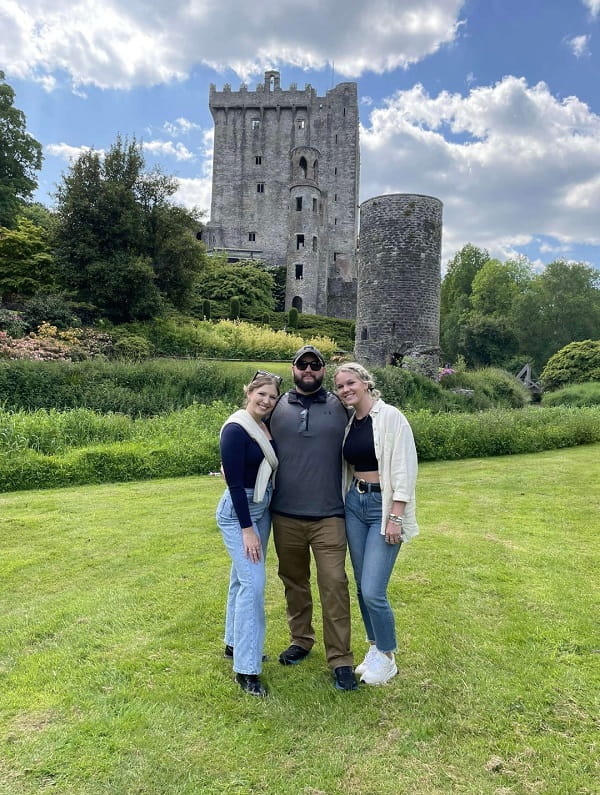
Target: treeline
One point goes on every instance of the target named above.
(506, 314)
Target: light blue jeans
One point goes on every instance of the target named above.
(372, 561)
(245, 616)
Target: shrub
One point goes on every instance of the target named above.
(575, 363)
(132, 346)
(12, 323)
(293, 318)
(574, 395)
(49, 308)
(490, 386)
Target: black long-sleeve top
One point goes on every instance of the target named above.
(241, 458)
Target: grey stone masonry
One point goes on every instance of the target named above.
(398, 296)
(285, 187)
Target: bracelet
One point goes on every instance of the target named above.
(395, 519)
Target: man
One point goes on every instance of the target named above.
(308, 514)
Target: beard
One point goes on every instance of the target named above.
(308, 383)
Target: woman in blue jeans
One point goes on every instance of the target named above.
(248, 460)
(379, 484)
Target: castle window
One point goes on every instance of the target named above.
(255, 124)
(302, 165)
(299, 271)
(316, 171)
(335, 221)
(336, 138)
(298, 203)
(252, 236)
(335, 197)
(315, 205)
(297, 303)
(344, 112)
(299, 242)
(301, 124)
(364, 333)
(258, 160)
(315, 242)
(335, 171)
(260, 187)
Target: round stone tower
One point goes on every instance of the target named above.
(398, 300)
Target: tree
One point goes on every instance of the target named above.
(455, 299)
(118, 226)
(253, 286)
(26, 261)
(20, 157)
(561, 305)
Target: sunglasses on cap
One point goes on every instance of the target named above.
(314, 366)
(275, 377)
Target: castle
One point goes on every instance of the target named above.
(285, 190)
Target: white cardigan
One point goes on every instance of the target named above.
(397, 461)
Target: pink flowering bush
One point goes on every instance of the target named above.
(49, 344)
(444, 371)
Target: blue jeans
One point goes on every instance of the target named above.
(372, 561)
(245, 616)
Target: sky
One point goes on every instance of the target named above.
(492, 106)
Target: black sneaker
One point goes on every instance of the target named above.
(344, 678)
(251, 684)
(228, 654)
(293, 655)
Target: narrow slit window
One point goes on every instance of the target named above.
(260, 187)
(258, 160)
(252, 236)
(255, 124)
(314, 243)
(299, 242)
(299, 271)
(298, 203)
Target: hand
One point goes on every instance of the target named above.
(393, 533)
(252, 545)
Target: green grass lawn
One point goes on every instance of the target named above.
(112, 679)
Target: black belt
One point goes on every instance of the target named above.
(363, 486)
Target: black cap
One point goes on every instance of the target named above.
(309, 349)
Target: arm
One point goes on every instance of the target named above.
(234, 441)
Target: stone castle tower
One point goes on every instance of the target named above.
(285, 187)
(398, 304)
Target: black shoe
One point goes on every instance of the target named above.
(228, 654)
(293, 655)
(344, 678)
(251, 684)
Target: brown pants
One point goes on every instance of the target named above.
(294, 539)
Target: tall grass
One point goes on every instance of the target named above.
(51, 448)
(586, 394)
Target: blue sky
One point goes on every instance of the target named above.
(493, 106)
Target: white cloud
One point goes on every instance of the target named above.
(579, 45)
(180, 126)
(67, 152)
(168, 149)
(120, 44)
(195, 193)
(593, 5)
(509, 161)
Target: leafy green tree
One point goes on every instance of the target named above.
(26, 261)
(222, 282)
(118, 228)
(20, 157)
(487, 340)
(496, 286)
(455, 298)
(561, 305)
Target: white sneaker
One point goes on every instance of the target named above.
(369, 657)
(381, 670)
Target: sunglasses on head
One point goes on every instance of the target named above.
(258, 373)
(314, 366)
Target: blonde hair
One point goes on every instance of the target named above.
(360, 372)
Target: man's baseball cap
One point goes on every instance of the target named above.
(309, 349)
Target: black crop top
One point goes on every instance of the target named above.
(359, 449)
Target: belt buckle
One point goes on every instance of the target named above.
(358, 488)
